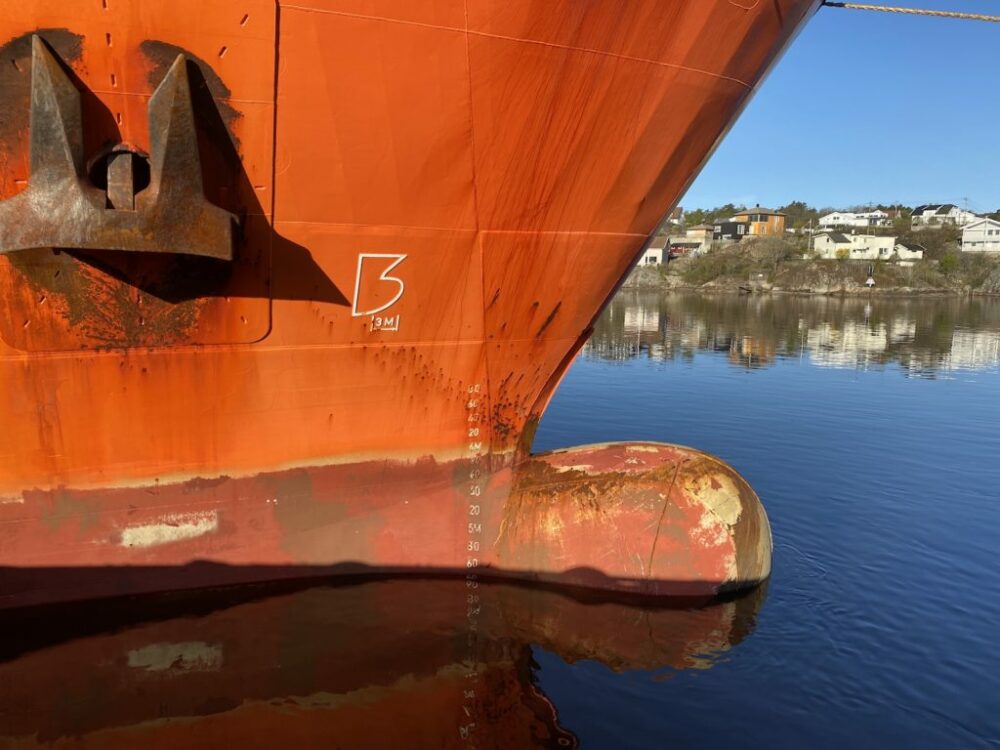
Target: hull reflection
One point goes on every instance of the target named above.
(418, 663)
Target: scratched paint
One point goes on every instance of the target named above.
(171, 528)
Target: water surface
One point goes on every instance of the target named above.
(871, 430)
(868, 427)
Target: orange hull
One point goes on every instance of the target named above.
(435, 198)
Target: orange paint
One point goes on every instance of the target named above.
(329, 666)
(435, 199)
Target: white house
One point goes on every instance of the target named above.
(876, 218)
(826, 244)
(981, 236)
(907, 252)
(833, 245)
(654, 253)
(871, 247)
(939, 214)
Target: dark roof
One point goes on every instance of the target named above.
(759, 210)
(912, 246)
(837, 237)
(937, 208)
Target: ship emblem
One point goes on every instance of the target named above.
(375, 291)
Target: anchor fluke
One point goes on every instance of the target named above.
(62, 208)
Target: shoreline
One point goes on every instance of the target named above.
(876, 292)
(813, 278)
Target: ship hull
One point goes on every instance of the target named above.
(435, 201)
(642, 519)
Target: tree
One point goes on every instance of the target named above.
(843, 254)
(799, 215)
(696, 216)
(936, 242)
(949, 263)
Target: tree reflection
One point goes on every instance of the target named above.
(922, 335)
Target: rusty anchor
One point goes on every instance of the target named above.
(61, 208)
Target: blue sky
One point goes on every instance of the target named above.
(870, 107)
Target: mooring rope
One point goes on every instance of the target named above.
(913, 11)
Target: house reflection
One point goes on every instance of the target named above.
(923, 336)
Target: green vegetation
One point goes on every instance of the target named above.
(781, 262)
(949, 263)
(778, 263)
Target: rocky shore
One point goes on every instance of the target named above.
(737, 270)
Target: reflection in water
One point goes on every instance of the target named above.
(922, 335)
(381, 664)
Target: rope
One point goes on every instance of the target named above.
(914, 11)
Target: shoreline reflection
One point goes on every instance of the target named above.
(922, 335)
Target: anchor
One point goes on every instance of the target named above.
(62, 208)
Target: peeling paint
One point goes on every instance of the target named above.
(718, 493)
(190, 656)
(577, 467)
(172, 528)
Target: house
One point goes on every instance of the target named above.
(834, 245)
(676, 217)
(876, 218)
(652, 256)
(729, 230)
(981, 236)
(826, 244)
(655, 252)
(908, 252)
(762, 222)
(938, 214)
(682, 246)
(872, 247)
(703, 234)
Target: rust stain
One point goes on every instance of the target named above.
(161, 55)
(549, 319)
(113, 299)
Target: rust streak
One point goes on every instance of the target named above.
(549, 319)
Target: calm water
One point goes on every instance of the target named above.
(870, 432)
